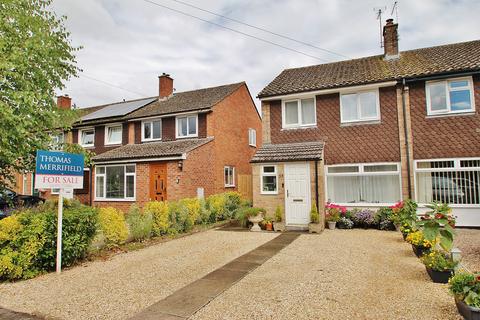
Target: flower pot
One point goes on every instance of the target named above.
(404, 235)
(315, 227)
(439, 276)
(467, 312)
(269, 226)
(255, 220)
(331, 225)
(279, 226)
(419, 250)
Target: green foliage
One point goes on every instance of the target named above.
(28, 239)
(78, 149)
(233, 201)
(179, 218)
(194, 208)
(314, 216)
(36, 58)
(384, 219)
(466, 286)
(113, 225)
(161, 219)
(438, 225)
(216, 205)
(140, 224)
(278, 214)
(439, 261)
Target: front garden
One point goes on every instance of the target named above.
(28, 236)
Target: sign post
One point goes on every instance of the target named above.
(63, 171)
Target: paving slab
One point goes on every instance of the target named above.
(186, 301)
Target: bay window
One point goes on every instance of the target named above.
(187, 126)
(113, 134)
(450, 96)
(268, 179)
(86, 137)
(152, 130)
(115, 182)
(229, 174)
(359, 106)
(364, 183)
(298, 113)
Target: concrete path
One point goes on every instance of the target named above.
(188, 300)
(6, 314)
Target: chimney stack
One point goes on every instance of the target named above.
(390, 40)
(64, 102)
(165, 86)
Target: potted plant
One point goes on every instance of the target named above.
(278, 224)
(268, 224)
(419, 244)
(255, 216)
(465, 287)
(439, 265)
(332, 214)
(315, 226)
(438, 225)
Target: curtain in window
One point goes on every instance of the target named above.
(349, 107)
(115, 134)
(308, 111)
(291, 112)
(367, 189)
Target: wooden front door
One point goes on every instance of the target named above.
(158, 181)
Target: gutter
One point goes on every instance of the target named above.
(407, 143)
(439, 76)
(135, 160)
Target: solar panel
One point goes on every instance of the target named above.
(118, 109)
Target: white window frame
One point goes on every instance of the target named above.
(268, 174)
(361, 119)
(361, 172)
(104, 175)
(80, 137)
(151, 121)
(229, 185)
(177, 119)
(56, 143)
(447, 111)
(107, 143)
(456, 167)
(299, 110)
(252, 137)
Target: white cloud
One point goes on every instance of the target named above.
(130, 43)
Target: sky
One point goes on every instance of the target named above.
(129, 43)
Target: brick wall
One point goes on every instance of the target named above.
(229, 123)
(374, 142)
(443, 136)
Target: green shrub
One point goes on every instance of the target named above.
(278, 214)
(193, 207)
(160, 214)
(233, 201)
(384, 219)
(179, 218)
(28, 239)
(140, 224)
(314, 216)
(216, 206)
(112, 223)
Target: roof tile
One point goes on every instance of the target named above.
(289, 152)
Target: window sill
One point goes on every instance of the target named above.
(360, 123)
(455, 114)
(269, 193)
(186, 137)
(114, 200)
(152, 140)
(313, 126)
(113, 144)
(87, 146)
(229, 186)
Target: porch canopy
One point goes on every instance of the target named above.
(300, 151)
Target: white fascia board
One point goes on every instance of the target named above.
(182, 157)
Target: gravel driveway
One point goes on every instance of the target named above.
(122, 286)
(339, 274)
(468, 241)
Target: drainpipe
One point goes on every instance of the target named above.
(316, 184)
(407, 142)
(90, 184)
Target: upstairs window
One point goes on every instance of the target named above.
(298, 113)
(86, 137)
(359, 106)
(450, 96)
(187, 126)
(152, 130)
(229, 174)
(113, 134)
(252, 137)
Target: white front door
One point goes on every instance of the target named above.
(297, 193)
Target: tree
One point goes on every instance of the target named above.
(36, 57)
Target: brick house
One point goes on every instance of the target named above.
(176, 145)
(380, 129)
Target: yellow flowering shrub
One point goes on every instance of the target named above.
(160, 213)
(417, 239)
(193, 206)
(9, 228)
(112, 223)
(216, 206)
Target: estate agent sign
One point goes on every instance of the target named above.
(62, 171)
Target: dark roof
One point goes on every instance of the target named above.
(152, 150)
(289, 152)
(117, 109)
(456, 57)
(187, 101)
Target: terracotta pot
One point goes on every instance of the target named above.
(269, 226)
(467, 312)
(439, 276)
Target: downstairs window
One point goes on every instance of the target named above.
(116, 182)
